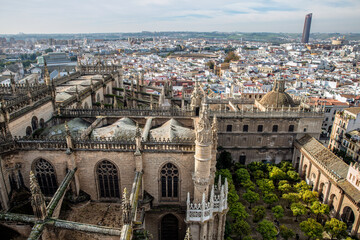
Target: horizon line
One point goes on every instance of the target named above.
(21, 33)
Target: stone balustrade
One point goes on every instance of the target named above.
(201, 212)
(107, 144)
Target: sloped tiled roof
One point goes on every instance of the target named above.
(324, 157)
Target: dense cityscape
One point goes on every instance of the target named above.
(180, 135)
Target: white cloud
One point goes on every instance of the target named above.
(42, 16)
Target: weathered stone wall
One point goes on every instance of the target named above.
(18, 126)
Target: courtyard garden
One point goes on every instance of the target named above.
(270, 201)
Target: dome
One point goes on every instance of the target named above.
(277, 99)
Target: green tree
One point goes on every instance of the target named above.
(238, 211)
(270, 198)
(278, 212)
(319, 209)
(335, 228)
(242, 175)
(291, 197)
(282, 182)
(225, 173)
(228, 230)
(292, 175)
(285, 188)
(298, 209)
(277, 174)
(265, 185)
(247, 238)
(286, 166)
(312, 229)
(267, 230)
(241, 227)
(251, 197)
(210, 64)
(249, 185)
(309, 196)
(259, 174)
(224, 161)
(301, 187)
(254, 166)
(233, 197)
(258, 213)
(231, 56)
(48, 50)
(286, 233)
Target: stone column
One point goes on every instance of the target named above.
(326, 198)
(316, 185)
(340, 203)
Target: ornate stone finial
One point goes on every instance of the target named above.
(195, 96)
(68, 139)
(37, 198)
(188, 234)
(126, 208)
(203, 128)
(46, 74)
(115, 103)
(67, 130)
(214, 129)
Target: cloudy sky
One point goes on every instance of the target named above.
(91, 16)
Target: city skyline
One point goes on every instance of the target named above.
(39, 16)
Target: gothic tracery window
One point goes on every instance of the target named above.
(169, 182)
(46, 176)
(108, 180)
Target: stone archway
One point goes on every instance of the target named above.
(169, 227)
(348, 216)
(303, 173)
(34, 123)
(331, 201)
(321, 191)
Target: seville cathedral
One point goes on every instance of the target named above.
(132, 162)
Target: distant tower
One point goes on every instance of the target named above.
(306, 31)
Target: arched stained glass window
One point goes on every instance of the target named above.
(46, 176)
(169, 182)
(108, 180)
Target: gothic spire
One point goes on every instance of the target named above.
(46, 74)
(37, 198)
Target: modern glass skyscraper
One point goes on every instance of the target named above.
(306, 31)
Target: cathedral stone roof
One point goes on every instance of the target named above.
(123, 128)
(172, 129)
(76, 127)
(277, 99)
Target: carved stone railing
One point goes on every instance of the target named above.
(259, 114)
(64, 79)
(201, 212)
(99, 69)
(108, 144)
(120, 112)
